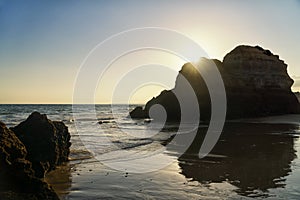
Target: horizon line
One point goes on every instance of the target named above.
(71, 104)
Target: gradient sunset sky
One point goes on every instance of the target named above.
(43, 43)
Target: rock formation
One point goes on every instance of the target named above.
(256, 83)
(298, 95)
(47, 142)
(17, 179)
(138, 112)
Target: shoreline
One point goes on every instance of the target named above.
(89, 178)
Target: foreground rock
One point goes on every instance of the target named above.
(256, 82)
(17, 179)
(47, 142)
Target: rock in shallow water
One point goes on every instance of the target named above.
(139, 113)
(47, 142)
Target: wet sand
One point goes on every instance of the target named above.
(250, 160)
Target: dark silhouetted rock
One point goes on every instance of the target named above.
(256, 83)
(47, 142)
(63, 141)
(17, 180)
(138, 113)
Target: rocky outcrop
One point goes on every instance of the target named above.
(17, 179)
(256, 68)
(47, 142)
(256, 83)
(138, 112)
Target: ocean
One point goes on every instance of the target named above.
(114, 157)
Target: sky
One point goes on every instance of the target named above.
(43, 43)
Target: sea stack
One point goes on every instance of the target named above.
(256, 83)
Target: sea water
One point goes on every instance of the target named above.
(256, 158)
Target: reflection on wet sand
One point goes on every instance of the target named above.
(61, 180)
(252, 157)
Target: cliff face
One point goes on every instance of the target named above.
(256, 68)
(256, 84)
